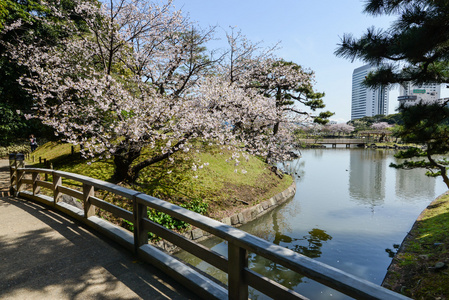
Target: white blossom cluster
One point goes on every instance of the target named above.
(341, 128)
(381, 125)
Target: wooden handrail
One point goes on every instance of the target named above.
(239, 242)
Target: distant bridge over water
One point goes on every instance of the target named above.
(335, 142)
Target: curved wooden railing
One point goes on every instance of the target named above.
(239, 242)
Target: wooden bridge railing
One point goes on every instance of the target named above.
(239, 242)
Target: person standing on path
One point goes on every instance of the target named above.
(33, 143)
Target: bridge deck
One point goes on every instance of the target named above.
(335, 141)
(45, 255)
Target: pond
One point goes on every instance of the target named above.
(351, 211)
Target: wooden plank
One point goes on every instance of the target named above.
(140, 232)
(269, 287)
(202, 286)
(44, 184)
(57, 183)
(99, 184)
(215, 259)
(38, 198)
(71, 192)
(27, 181)
(71, 210)
(88, 191)
(19, 180)
(115, 210)
(114, 232)
(238, 262)
(36, 189)
(37, 170)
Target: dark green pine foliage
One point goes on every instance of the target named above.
(415, 47)
(288, 94)
(427, 125)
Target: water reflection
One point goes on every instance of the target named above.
(411, 186)
(308, 245)
(295, 168)
(328, 219)
(367, 177)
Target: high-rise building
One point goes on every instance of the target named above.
(366, 101)
(411, 94)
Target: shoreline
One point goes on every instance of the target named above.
(397, 274)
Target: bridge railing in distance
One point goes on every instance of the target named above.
(240, 243)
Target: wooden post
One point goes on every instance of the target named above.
(20, 163)
(12, 171)
(89, 209)
(73, 150)
(57, 181)
(40, 159)
(140, 234)
(237, 262)
(19, 178)
(36, 188)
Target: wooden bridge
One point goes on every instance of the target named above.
(335, 142)
(28, 182)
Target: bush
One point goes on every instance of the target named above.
(5, 151)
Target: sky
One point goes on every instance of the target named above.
(309, 32)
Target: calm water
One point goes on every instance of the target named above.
(350, 206)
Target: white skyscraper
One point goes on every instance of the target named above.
(366, 101)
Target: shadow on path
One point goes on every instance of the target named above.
(45, 255)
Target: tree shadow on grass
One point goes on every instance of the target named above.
(46, 254)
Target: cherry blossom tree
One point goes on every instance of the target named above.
(341, 128)
(138, 77)
(382, 128)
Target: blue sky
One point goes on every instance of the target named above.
(309, 31)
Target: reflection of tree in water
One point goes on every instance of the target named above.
(309, 245)
(293, 167)
(314, 243)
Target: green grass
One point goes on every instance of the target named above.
(428, 244)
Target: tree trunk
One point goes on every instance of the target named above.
(439, 166)
(122, 161)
